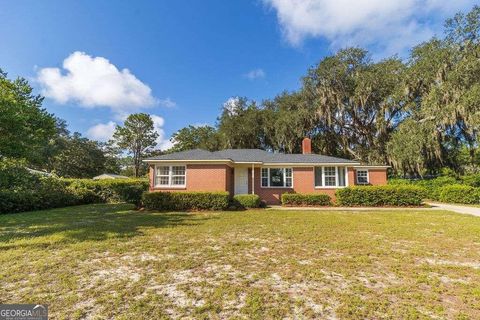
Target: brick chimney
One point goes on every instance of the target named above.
(306, 146)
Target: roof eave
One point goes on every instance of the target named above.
(311, 163)
(184, 160)
(294, 164)
(373, 166)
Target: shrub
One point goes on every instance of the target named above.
(109, 190)
(460, 194)
(246, 200)
(381, 196)
(15, 176)
(432, 186)
(472, 180)
(22, 190)
(177, 201)
(48, 193)
(400, 182)
(51, 192)
(299, 199)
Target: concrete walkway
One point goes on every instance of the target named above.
(278, 207)
(456, 208)
(434, 206)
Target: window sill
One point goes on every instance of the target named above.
(277, 187)
(332, 187)
(170, 187)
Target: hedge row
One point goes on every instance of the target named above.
(460, 194)
(50, 192)
(435, 186)
(47, 193)
(109, 190)
(432, 186)
(373, 196)
(299, 199)
(246, 201)
(177, 201)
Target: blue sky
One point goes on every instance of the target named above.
(186, 58)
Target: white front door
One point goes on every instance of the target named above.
(241, 180)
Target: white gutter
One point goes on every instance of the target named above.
(372, 167)
(248, 162)
(310, 164)
(185, 161)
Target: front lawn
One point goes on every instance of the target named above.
(106, 261)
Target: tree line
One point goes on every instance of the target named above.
(28, 133)
(420, 114)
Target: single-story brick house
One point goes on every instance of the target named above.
(233, 170)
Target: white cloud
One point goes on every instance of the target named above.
(95, 82)
(102, 131)
(255, 74)
(387, 25)
(163, 142)
(167, 103)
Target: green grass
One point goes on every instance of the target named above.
(107, 261)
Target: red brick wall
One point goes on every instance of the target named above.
(377, 176)
(351, 176)
(270, 195)
(202, 177)
(304, 182)
(219, 177)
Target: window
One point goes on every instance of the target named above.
(170, 176)
(162, 176)
(330, 176)
(288, 177)
(264, 177)
(362, 176)
(277, 177)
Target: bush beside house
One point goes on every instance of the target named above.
(246, 201)
(374, 196)
(109, 190)
(186, 200)
(299, 199)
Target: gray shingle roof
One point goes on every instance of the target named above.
(250, 155)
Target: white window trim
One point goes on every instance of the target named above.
(284, 178)
(336, 186)
(170, 175)
(356, 176)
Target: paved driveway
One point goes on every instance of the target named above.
(456, 208)
(435, 206)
